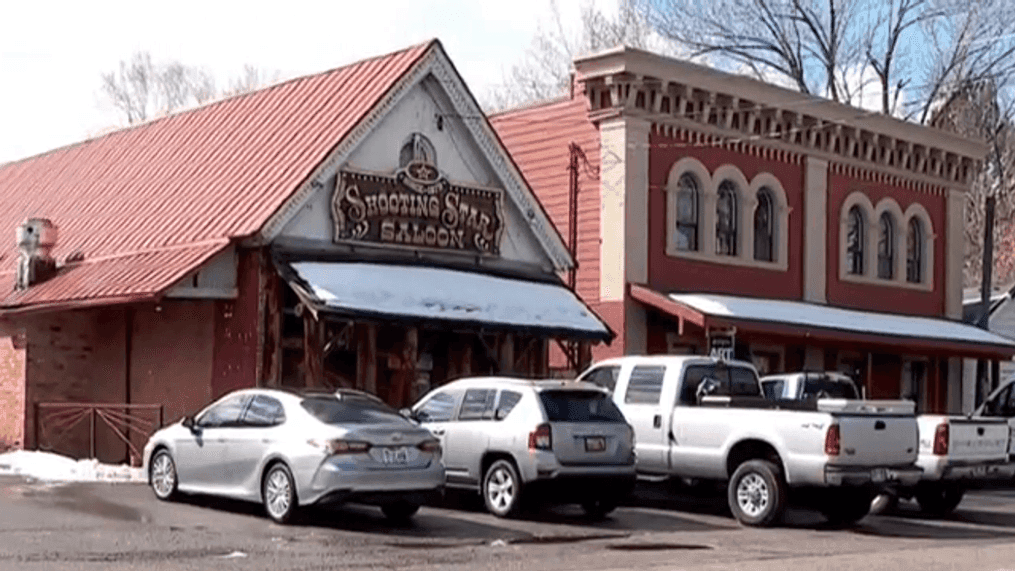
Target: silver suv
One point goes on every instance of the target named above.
(539, 440)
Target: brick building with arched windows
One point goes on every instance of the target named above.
(709, 210)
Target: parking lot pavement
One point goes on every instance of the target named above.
(102, 526)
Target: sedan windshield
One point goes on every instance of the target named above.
(580, 406)
(351, 411)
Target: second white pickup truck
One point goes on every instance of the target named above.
(956, 452)
(696, 417)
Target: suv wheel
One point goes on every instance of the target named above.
(502, 489)
(757, 493)
(400, 511)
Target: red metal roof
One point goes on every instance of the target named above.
(538, 138)
(148, 204)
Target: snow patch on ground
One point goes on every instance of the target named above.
(49, 467)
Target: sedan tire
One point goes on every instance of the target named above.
(162, 476)
(757, 493)
(599, 508)
(502, 489)
(278, 491)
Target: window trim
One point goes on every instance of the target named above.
(900, 219)
(746, 203)
(696, 193)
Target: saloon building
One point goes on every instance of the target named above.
(714, 213)
(363, 227)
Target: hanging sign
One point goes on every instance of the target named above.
(720, 345)
(416, 207)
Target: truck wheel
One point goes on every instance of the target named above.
(844, 507)
(757, 493)
(939, 499)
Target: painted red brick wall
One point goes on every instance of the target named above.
(670, 274)
(171, 355)
(12, 395)
(76, 356)
(885, 298)
(236, 339)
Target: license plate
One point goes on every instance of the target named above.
(398, 455)
(879, 475)
(595, 444)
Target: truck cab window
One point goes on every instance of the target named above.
(733, 381)
(605, 377)
(645, 385)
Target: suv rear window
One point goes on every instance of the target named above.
(579, 406)
(351, 411)
(831, 387)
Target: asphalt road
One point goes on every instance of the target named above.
(121, 526)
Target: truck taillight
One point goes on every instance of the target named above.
(941, 440)
(832, 440)
(540, 438)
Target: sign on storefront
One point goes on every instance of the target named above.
(720, 345)
(416, 207)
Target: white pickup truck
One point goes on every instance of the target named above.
(696, 417)
(956, 452)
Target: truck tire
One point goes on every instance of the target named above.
(845, 506)
(939, 499)
(757, 493)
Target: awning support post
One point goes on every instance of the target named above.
(366, 357)
(313, 349)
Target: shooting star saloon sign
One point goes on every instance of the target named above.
(416, 207)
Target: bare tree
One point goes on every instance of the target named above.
(545, 70)
(143, 90)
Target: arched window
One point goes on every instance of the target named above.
(855, 241)
(688, 191)
(886, 247)
(726, 220)
(914, 251)
(764, 222)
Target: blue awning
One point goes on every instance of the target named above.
(426, 293)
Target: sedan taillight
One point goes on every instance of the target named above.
(540, 438)
(431, 446)
(341, 446)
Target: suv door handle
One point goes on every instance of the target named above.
(657, 421)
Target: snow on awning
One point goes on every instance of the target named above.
(803, 319)
(425, 293)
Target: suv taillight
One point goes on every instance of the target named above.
(832, 440)
(540, 438)
(941, 440)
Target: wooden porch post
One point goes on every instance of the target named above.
(507, 354)
(366, 357)
(313, 350)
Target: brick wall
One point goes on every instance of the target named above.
(12, 395)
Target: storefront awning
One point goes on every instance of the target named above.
(425, 293)
(825, 323)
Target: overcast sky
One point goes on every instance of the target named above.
(52, 53)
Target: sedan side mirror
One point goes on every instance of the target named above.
(407, 413)
(188, 422)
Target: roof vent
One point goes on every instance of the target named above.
(36, 238)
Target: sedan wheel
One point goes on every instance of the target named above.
(502, 489)
(279, 494)
(163, 476)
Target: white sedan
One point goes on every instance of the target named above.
(291, 449)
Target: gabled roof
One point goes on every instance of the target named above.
(146, 205)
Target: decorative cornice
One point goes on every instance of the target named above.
(742, 113)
